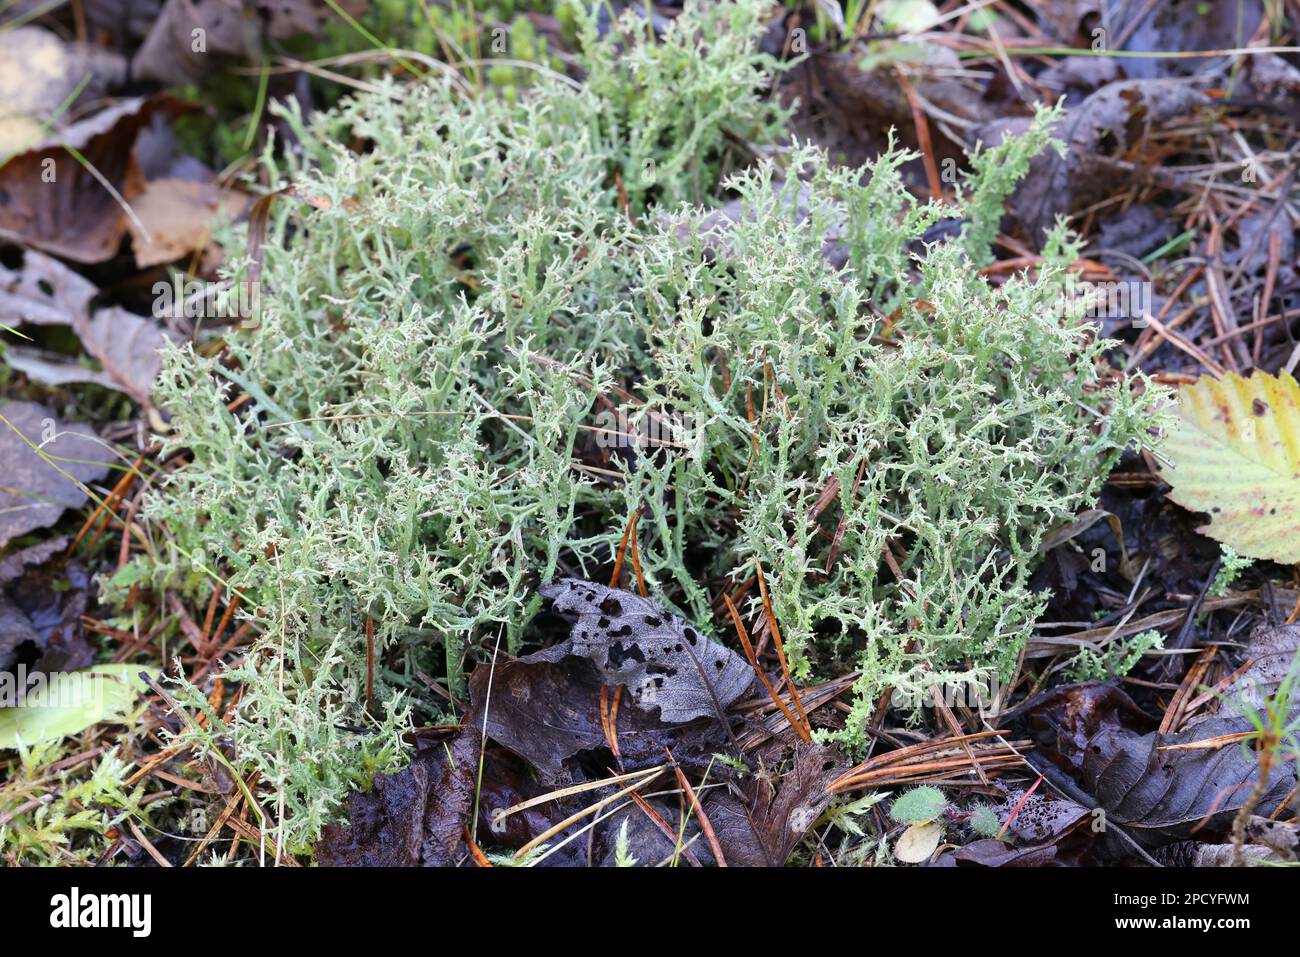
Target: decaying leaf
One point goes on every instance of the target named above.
(1040, 818)
(16, 631)
(67, 704)
(125, 345)
(1146, 781)
(188, 36)
(1267, 842)
(1271, 651)
(175, 218)
(548, 713)
(1207, 25)
(51, 200)
(1102, 138)
(665, 663)
(778, 809)
(33, 493)
(416, 816)
(1235, 454)
(992, 853)
(38, 73)
(12, 568)
(42, 600)
(918, 842)
(41, 291)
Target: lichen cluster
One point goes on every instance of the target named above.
(445, 328)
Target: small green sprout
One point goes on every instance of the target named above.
(1230, 567)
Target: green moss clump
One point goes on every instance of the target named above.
(437, 350)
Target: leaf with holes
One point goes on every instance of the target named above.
(1235, 454)
(664, 662)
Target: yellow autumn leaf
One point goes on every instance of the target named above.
(1234, 453)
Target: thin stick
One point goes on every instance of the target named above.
(1019, 804)
(636, 564)
(780, 649)
(370, 661)
(614, 579)
(753, 661)
(705, 824)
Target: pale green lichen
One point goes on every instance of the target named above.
(425, 370)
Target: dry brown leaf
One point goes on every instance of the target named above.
(52, 201)
(178, 216)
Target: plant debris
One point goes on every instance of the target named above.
(32, 493)
(666, 664)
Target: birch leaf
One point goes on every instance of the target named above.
(1234, 453)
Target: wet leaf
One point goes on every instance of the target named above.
(1100, 134)
(1235, 454)
(416, 816)
(548, 713)
(1205, 25)
(188, 36)
(41, 609)
(991, 853)
(33, 493)
(779, 810)
(665, 663)
(12, 568)
(386, 823)
(1271, 651)
(1041, 818)
(16, 631)
(1159, 793)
